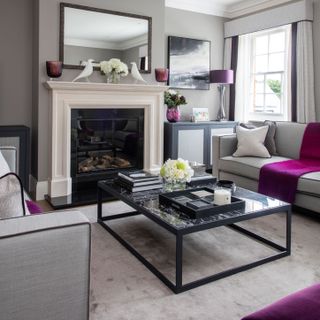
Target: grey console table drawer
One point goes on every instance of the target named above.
(192, 141)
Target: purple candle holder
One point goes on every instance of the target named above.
(162, 74)
(54, 69)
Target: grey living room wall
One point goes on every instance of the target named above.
(16, 36)
(198, 26)
(49, 50)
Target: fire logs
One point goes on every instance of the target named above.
(97, 163)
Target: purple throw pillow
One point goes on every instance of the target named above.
(33, 207)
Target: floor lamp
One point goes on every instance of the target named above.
(222, 77)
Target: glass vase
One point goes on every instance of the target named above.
(170, 186)
(113, 77)
(173, 114)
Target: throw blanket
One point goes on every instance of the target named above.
(280, 179)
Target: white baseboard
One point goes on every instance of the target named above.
(38, 188)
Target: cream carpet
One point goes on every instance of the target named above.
(123, 288)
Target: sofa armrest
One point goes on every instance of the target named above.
(222, 146)
(45, 267)
(10, 155)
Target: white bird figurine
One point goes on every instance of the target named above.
(136, 74)
(86, 72)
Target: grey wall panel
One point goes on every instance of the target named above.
(205, 27)
(16, 62)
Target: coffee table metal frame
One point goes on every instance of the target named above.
(178, 286)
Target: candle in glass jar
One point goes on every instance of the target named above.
(221, 197)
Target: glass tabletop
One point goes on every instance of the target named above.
(149, 200)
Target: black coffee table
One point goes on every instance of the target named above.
(146, 203)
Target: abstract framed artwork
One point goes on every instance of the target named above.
(189, 63)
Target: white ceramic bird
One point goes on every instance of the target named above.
(86, 72)
(136, 74)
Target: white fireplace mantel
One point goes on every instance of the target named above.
(66, 96)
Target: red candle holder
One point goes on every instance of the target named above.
(162, 74)
(54, 69)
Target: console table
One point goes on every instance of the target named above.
(192, 140)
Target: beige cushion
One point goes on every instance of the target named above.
(310, 183)
(11, 197)
(4, 167)
(250, 167)
(246, 166)
(288, 139)
(251, 142)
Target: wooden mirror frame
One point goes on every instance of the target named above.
(64, 5)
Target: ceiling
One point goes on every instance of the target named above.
(225, 8)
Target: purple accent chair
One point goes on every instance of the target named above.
(301, 305)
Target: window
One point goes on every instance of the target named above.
(265, 69)
(269, 71)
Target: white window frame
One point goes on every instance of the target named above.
(285, 74)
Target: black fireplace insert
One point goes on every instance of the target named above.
(104, 142)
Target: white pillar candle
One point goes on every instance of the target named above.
(221, 197)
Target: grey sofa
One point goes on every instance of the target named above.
(245, 171)
(44, 265)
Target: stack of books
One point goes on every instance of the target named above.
(139, 181)
(202, 178)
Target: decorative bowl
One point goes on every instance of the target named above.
(228, 184)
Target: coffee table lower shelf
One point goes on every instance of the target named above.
(178, 286)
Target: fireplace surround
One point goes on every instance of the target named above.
(68, 96)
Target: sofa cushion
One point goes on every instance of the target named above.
(286, 145)
(250, 167)
(251, 142)
(269, 142)
(310, 183)
(246, 166)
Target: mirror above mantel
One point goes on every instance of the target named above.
(99, 34)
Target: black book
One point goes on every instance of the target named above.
(201, 179)
(122, 183)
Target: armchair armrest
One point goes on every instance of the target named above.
(10, 155)
(45, 267)
(222, 146)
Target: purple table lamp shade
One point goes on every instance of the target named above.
(161, 74)
(221, 76)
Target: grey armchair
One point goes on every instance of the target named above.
(45, 267)
(44, 264)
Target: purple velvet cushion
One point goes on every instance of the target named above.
(302, 305)
(33, 207)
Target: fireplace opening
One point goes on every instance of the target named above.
(104, 142)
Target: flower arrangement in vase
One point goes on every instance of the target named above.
(114, 69)
(173, 100)
(176, 173)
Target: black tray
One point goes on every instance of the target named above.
(198, 207)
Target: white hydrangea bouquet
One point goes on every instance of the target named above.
(114, 69)
(176, 172)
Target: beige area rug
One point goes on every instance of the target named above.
(123, 288)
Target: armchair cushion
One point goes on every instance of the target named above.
(11, 197)
(4, 167)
